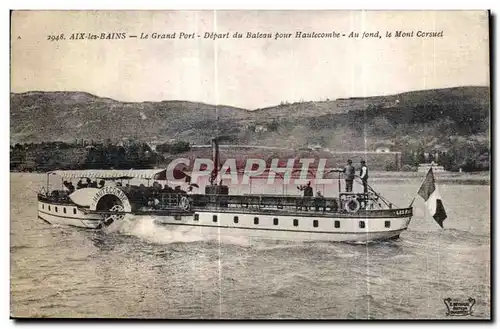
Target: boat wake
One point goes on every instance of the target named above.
(146, 229)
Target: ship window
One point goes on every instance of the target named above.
(337, 224)
(236, 219)
(361, 224)
(315, 223)
(49, 208)
(64, 210)
(295, 222)
(196, 217)
(275, 221)
(256, 220)
(387, 223)
(43, 206)
(56, 209)
(214, 218)
(74, 211)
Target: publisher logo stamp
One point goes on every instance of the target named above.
(459, 307)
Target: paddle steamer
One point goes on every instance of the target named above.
(348, 217)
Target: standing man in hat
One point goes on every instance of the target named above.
(349, 176)
(363, 174)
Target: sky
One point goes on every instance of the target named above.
(247, 73)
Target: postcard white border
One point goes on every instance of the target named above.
(188, 4)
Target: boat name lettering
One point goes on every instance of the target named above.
(110, 190)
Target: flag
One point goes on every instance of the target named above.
(430, 194)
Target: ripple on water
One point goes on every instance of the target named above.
(144, 271)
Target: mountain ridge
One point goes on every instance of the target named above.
(26, 93)
(68, 115)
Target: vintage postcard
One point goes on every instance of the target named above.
(250, 164)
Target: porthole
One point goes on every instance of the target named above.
(315, 223)
(236, 219)
(56, 209)
(256, 220)
(49, 208)
(196, 217)
(275, 221)
(43, 206)
(74, 211)
(295, 222)
(64, 210)
(214, 218)
(387, 223)
(337, 224)
(361, 224)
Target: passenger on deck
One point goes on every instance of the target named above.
(349, 172)
(319, 201)
(363, 174)
(167, 189)
(80, 184)
(308, 193)
(308, 190)
(334, 205)
(101, 183)
(178, 190)
(93, 184)
(153, 202)
(157, 187)
(69, 187)
(142, 194)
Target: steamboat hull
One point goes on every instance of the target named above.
(362, 228)
(67, 215)
(213, 232)
(279, 227)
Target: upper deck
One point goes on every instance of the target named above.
(158, 203)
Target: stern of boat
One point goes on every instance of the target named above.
(57, 211)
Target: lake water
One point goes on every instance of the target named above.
(143, 271)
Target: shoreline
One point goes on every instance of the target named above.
(443, 178)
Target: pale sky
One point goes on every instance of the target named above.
(248, 73)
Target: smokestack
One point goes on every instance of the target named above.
(215, 159)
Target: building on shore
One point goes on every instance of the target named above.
(424, 167)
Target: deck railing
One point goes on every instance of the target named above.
(170, 201)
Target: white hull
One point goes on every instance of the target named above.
(307, 229)
(68, 216)
(276, 227)
(215, 232)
